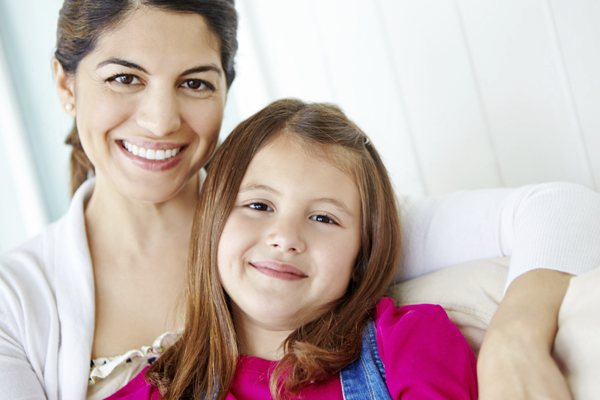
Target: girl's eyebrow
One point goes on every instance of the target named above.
(258, 186)
(129, 64)
(334, 202)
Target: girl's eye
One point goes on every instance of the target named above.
(125, 79)
(197, 84)
(324, 219)
(259, 207)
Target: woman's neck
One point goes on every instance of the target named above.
(117, 224)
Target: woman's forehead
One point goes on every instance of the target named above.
(154, 35)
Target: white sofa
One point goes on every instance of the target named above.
(471, 292)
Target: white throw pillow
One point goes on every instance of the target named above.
(470, 294)
(577, 344)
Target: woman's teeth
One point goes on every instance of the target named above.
(150, 154)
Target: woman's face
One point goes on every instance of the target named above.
(291, 240)
(149, 103)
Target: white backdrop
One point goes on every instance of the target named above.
(456, 94)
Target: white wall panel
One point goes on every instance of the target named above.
(288, 39)
(534, 132)
(252, 88)
(432, 62)
(365, 85)
(578, 30)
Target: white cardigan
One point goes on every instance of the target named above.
(47, 286)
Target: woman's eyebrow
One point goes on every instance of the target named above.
(129, 64)
(203, 68)
(122, 62)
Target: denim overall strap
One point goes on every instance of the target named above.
(365, 377)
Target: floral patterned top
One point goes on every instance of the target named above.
(109, 374)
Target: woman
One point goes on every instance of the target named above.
(147, 83)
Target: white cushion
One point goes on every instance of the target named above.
(577, 344)
(470, 294)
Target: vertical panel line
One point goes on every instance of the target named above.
(324, 56)
(561, 65)
(261, 55)
(479, 92)
(14, 139)
(401, 99)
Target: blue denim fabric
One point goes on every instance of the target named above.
(365, 377)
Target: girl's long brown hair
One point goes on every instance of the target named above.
(203, 361)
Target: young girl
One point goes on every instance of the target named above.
(295, 240)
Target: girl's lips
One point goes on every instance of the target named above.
(279, 270)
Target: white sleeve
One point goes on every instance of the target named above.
(18, 380)
(553, 225)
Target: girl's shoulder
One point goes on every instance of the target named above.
(424, 352)
(386, 313)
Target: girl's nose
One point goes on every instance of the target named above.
(159, 113)
(286, 236)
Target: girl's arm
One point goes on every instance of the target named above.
(554, 227)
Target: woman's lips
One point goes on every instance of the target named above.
(279, 270)
(153, 165)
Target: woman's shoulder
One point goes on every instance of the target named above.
(38, 254)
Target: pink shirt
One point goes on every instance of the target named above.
(424, 354)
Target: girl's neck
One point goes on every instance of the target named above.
(257, 340)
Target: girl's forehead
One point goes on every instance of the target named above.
(335, 155)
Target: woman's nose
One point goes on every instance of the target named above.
(286, 236)
(159, 112)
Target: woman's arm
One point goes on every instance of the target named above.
(18, 378)
(519, 341)
(546, 228)
(553, 226)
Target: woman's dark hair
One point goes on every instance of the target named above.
(82, 22)
(203, 361)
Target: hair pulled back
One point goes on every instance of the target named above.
(203, 361)
(82, 22)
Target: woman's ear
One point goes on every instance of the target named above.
(65, 85)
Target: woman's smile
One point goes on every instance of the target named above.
(153, 156)
(148, 126)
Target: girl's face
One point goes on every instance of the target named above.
(149, 102)
(291, 240)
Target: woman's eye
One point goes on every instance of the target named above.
(259, 207)
(196, 84)
(125, 79)
(324, 219)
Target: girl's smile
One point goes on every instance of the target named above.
(279, 270)
(291, 241)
